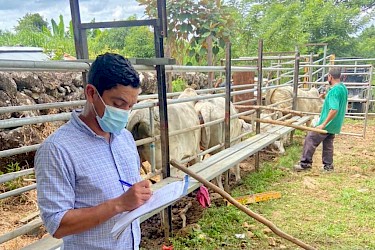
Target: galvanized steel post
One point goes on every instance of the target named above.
(324, 62)
(259, 94)
(295, 80)
(295, 86)
(228, 83)
(368, 97)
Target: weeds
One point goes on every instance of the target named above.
(16, 183)
(178, 85)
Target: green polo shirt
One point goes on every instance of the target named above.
(336, 99)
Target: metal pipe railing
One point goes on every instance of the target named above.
(11, 176)
(17, 191)
(17, 151)
(368, 97)
(17, 122)
(65, 116)
(11, 109)
(337, 66)
(356, 59)
(77, 66)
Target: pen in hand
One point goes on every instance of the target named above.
(125, 183)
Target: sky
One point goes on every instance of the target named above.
(102, 10)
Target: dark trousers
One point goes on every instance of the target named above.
(312, 141)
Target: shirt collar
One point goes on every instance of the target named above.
(78, 123)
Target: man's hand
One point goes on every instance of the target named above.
(321, 126)
(136, 196)
(332, 113)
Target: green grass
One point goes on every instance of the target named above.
(370, 121)
(327, 211)
(217, 233)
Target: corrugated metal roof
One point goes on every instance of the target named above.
(23, 53)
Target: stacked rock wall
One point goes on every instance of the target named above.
(30, 88)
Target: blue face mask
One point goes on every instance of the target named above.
(113, 120)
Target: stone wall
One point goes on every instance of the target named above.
(29, 88)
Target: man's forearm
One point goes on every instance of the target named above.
(82, 219)
(332, 113)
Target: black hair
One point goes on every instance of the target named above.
(109, 70)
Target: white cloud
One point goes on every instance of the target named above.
(101, 10)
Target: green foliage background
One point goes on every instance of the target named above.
(197, 27)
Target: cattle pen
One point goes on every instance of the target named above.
(209, 168)
(244, 92)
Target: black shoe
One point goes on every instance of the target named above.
(328, 168)
(300, 167)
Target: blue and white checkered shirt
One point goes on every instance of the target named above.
(76, 168)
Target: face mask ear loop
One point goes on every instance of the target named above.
(95, 109)
(101, 100)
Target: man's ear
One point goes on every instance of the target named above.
(90, 91)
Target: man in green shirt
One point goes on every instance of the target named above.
(331, 119)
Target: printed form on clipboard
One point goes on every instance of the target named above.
(161, 197)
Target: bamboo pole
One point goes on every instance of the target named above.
(294, 112)
(244, 209)
(286, 124)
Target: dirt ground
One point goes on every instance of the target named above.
(152, 229)
(13, 210)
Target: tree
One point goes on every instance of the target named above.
(284, 24)
(333, 27)
(366, 43)
(194, 27)
(278, 24)
(139, 43)
(114, 38)
(33, 22)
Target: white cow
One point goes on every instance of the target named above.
(213, 109)
(303, 104)
(181, 146)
